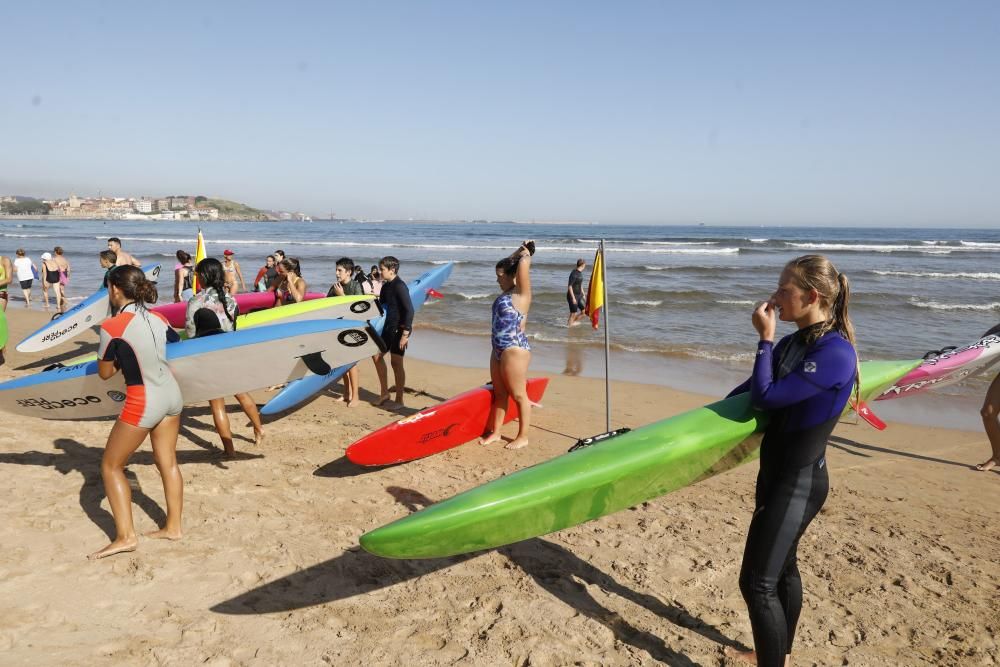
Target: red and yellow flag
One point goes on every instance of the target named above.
(595, 290)
(199, 254)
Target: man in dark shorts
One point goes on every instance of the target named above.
(395, 298)
(574, 293)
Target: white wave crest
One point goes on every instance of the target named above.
(871, 247)
(735, 302)
(759, 240)
(472, 297)
(939, 275)
(979, 244)
(933, 305)
(643, 302)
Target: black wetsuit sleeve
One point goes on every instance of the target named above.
(172, 336)
(405, 307)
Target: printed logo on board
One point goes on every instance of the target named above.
(59, 333)
(809, 367)
(353, 338)
(439, 433)
(57, 404)
(116, 396)
(361, 307)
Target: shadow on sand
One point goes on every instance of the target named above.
(74, 456)
(844, 443)
(553, 567)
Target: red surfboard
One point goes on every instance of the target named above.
(450, 424)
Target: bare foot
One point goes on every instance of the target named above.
(258, 438)
(353, 403)
(744, 656)
(164, 534)
(381, 399)
(517, 443)
(489, 438)
(988, 464)
(116, 547)
(391, 405)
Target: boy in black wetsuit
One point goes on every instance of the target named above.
(395, 298)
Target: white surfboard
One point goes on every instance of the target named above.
(88, 313)
(205, 368)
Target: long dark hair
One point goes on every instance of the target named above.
(133, 284)
(291, 264)
(212, 276)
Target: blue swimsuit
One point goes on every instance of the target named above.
(507, 326)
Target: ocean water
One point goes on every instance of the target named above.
(675, 292)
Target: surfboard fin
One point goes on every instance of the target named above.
(315, 363)
(865, 412)
(434, 293)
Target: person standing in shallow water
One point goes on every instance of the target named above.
(803, 383)
(511, 352)
(574, 293)
(134, 341)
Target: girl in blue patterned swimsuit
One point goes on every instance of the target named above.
(511, 352)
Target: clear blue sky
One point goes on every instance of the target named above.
(654, 112)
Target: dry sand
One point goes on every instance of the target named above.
(900, 568)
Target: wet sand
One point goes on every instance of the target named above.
(900, 567)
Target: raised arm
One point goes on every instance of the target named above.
(522, 285)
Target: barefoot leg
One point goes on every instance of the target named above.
(352, 386)
(991, 422)
(250, 409)
(164, 439)
(399, 375)
(222, 426)
(498, 407)
(383, 378)
(123, 440)
(514, 369)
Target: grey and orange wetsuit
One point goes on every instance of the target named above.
(136, 340)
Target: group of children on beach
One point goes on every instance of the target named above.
(804, 381)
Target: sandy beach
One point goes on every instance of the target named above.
(901, 567)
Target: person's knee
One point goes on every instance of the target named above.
(756, 588)
(988, 412)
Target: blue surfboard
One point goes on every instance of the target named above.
(302, 390)
(88, 313)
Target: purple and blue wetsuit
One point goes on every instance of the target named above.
(805, 388)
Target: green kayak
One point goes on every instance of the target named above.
(601, 479)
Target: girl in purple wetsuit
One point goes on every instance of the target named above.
(803, 383)
(511, 352)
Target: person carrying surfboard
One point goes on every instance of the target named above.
(803, 383)
(511, 352)
(346, 285)
(215, 310)
(134, 342)
(395, 299)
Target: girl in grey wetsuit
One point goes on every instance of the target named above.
(134, 342)
(804, 382)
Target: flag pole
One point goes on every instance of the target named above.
(607, 341)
